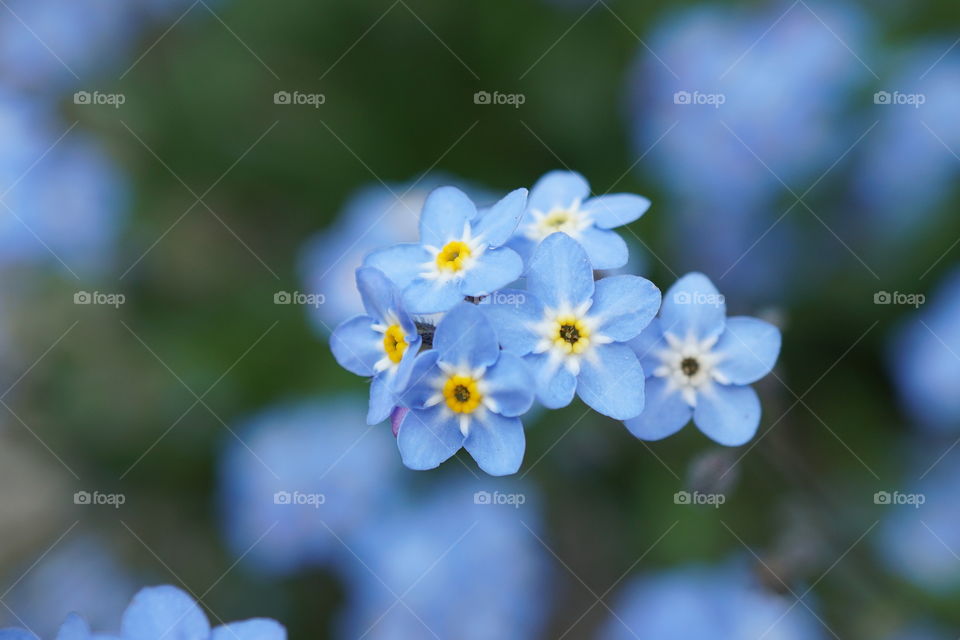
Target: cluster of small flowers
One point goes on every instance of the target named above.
(458, 351)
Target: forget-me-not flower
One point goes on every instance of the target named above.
(382, 344)
(572, 331)
(700, 363)
(560, 201)
(164, 612)
(459, 253)
(465, 393)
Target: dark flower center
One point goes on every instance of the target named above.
(690, 366)
(569, 333)
(461, 393)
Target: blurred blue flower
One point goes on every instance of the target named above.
(701, 364)
(302, 478)
(571, 330)
(465, 393)
(560, 201)
(722, 602)
(924, 360)
(459, 254)
(461, 562)
(382, 344)
(156, 613)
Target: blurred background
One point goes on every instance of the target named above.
(186, 188)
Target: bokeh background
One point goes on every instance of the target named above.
(186, 189)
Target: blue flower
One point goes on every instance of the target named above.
(560, 201)
(163, 612)
(723, 602)
(571, 330)
(382, 344)
(459, 254)
(465, 393)
(290, 457)
(700, 364)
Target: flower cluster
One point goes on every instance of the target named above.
(497, 307)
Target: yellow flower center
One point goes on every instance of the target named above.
(557, 219)
(572, 335)
(394, 343)
(453, 255)
(462, 394)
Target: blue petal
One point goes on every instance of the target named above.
(445, 213)
(616, 209)
(356, 346)
(16, 634)
(497, 443)
(427, 437)
(164, 612)
(648, 344)
(465, 338)
(512, 313)
(558, 189)
(402, 263)
(524, 247)
(431, 296)
(605, 248)
(494, 269)
(382, 400)
(510, 385)
(420, 388)
(749, 348)
(560, 273)
(664, 412)
(555, 385)
(400, 376)
(497, 224)
(693, 306)
(728, 415)
(624, 305)
(612, 383)
(380, 296)
(256, 629)
(73, 628)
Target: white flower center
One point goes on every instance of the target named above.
(689, 365)
(570, 220)
(568, 335)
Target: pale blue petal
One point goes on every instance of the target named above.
(648, 344)
(513, 312)
(749, 348)
(382, 400)
(431, 296)
(494, 269)
(612, 383)
(693, 306)
(420, 387)
(16, 634)
(560, 273)
(664, 412)
(510, 385)
(497, 443)
(624, 305)
(380, 296)
(558, 189)
(402, 263)
(524, 247)
(73, 628)
(164, 612)
(445, 213)
(256, 629)
(728, 415)
(555, 385)
(356, 346)
(400, 376)
(616, 209)
(465, 338)
(605, 248)
(427, 438)
(496, 224)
